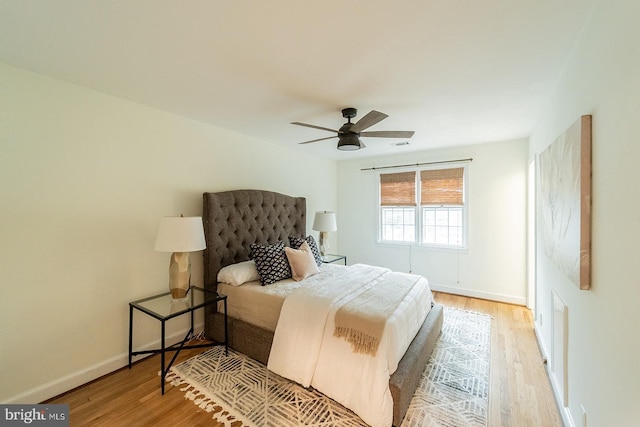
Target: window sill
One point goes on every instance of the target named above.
(424, 248)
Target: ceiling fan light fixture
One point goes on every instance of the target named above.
(349, 143)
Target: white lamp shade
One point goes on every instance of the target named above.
(325, 221)
(180, 234)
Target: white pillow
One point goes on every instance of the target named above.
(237, 274)
(302, 262)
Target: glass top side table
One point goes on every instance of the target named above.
(331, 258)
(163, 307)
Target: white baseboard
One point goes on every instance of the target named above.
(543, 349)
(565, 413)
(509, 299)
(76, 379)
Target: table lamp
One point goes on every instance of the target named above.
(324, 222)
(180, 235)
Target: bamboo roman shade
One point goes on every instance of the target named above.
(398, 189)
(442, 186)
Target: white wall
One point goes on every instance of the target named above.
(602, 78)
(84, 180)
(494, 267)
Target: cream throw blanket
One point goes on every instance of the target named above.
(361, 321)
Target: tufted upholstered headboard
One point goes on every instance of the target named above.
(235, 219)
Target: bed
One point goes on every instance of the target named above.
(233, 221)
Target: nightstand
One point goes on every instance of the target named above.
(331, 258)
(163, 307)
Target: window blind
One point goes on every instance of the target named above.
(442, 186)
(398, 189)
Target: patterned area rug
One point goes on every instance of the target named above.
(453, 390)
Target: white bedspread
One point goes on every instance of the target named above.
(305, 350)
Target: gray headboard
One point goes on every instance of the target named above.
(235, 219)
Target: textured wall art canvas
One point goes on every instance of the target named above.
(565, 188)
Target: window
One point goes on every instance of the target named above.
(426, 206)
(398, 206)
(442, 201)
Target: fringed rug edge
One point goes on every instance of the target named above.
(206, 401)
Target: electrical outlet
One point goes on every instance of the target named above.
(584, 416)
(540, 318)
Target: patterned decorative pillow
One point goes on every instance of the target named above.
(295, 243)
(271, 262)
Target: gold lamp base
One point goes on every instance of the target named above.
(179, 274)
(324, 243)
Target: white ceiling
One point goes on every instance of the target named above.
(457, 72)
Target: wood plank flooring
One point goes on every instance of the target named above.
(519, 395)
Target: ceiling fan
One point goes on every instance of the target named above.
(349, 134)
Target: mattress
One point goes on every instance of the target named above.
(260, 305)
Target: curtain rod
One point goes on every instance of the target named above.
(417, 164)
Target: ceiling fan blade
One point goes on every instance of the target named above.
(319, 139)
(370, 119)
(389, 134)
(313, 126)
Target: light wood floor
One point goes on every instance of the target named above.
(520, 394)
